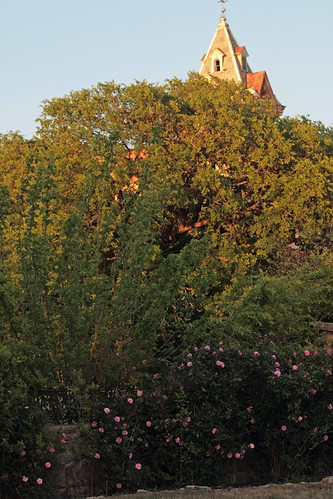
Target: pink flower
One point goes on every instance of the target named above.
(167, 440)
(138, 466)
(306, 353)
(214, 430)
(315, 430)
(148, 423)
(189, 364)
(130, 455)
(118, 440)
(325, 438)
(277, 364)
(274, 357)
(189, 355)
(220, 364)
(256, 354)
(177, 440)
(139, 393)
(295, 368)
(237, 455)
(300, 418)
(124, 432)
(155, 376)
(117, 419)
(221, 349)
(25, 478)
(249, 409)
(195, 349)
(251, 446)
(277, 373)
(130, 401)
(97, 456)
(26, 407)
(118, 485)
(313, 391)
(330, 407)
(47, 465)
(63, 435)
(252, 420)
(39, 481)
(93, 424)
(188, 419)
(23, 453)
(101, 430)
(218, 447)
(181, 388)
(106, 410)
(329, 372)
(52, 450)
(207, 347)
(283, 428)
(330, 351)
(62, 441)
(229, 455)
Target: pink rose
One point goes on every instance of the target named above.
(93, 424)
(295, 368)
(130, 401)
(39, 481)
(106, 410)
(118, 440)
(118, 485)
(306, 353)
(138, 466)
(214, 430)
(97, 456)
(251, 446)
(52, 450)
(229, 455)
(25, 478)
(23, 453)
(117, 419)
(47, 465)
(325, 438)
(101, 430)
(220, 364)
(189, 364)
(283, 428)
(148, 423)
(139, 393)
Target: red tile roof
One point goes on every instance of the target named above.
(239, 50)
(255, 81)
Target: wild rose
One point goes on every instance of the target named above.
(207, 347)
(101, 430)
(251, 446)
(325, 438)
(139, 393)
(39, 481)
(119, 486)
(52, 450)
(130, 401)
(138, 466)
(277, 364)
(252, 420)
(177, 440)
(167, 440)
(148, 423)
(329, 372)
(229, 455)
(118, 440)
(23, 453)
(295, 368)
(214, 430)
(237, 455)
(249, 409)
(47, 465)
(220, 364)
(189, 364)
(256, 354)
(283, 428)
(313, 391)
(181, 388)
(117, 419)
(62, 441)
(25, 478)
(189, 355)
(330, 407)
(93, 424)
(218, 447)
(300, 418)
(306, 353)
(277, 373)
(26, 407)
(97, 456)
(106, 410)
(124, 432)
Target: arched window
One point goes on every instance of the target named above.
(217, 65)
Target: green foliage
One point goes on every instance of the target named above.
(145, 218)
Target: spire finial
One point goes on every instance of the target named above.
(223, 8)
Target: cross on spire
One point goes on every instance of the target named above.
(223, 8)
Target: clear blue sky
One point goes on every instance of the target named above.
(48, 48)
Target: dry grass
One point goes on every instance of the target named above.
(315, 490)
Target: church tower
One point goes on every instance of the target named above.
(226, 60)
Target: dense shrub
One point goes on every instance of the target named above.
(25, 455)
(212, 415)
